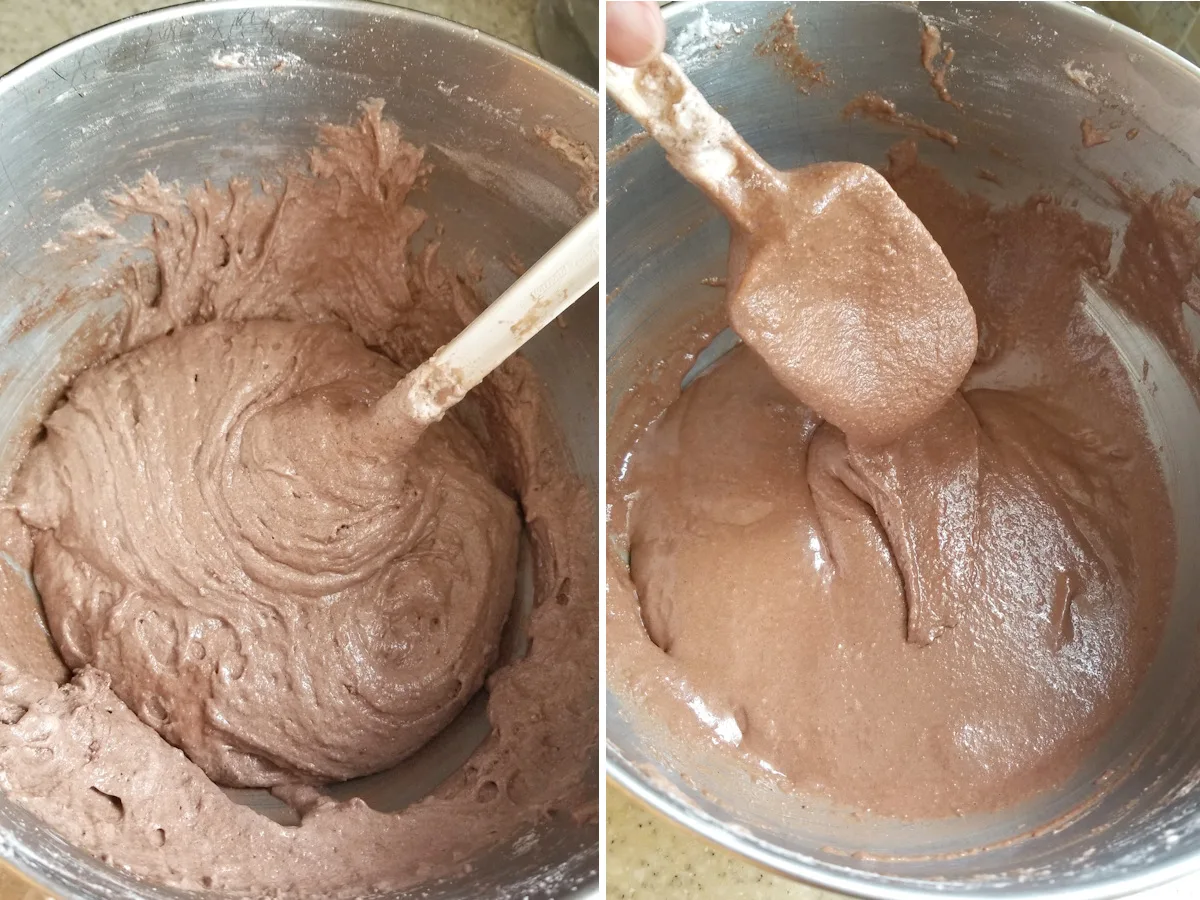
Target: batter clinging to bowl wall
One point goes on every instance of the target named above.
(912, 567)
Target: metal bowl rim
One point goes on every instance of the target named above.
(58, 52)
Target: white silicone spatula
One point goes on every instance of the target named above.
(547, 288)
(700, 142)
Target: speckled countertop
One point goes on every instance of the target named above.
(650, 858)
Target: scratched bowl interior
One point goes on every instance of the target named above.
(214, 90)
(663, 238)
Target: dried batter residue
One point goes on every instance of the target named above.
(580, 157)
(624, 148)
(871, 105)
(1092, 135)
(703, 37)
(781, 42)
(935, 59)
(1080, 76)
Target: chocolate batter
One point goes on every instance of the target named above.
(870, 105)
(832, 280)
(228, 569)
(848, 300)
(944, 624)
(276, 615)
(936, 58)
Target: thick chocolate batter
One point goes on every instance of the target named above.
(944, 624)
(210, 577)
(278, 615)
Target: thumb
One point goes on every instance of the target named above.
(635, 30)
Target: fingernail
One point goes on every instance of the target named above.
(653, 30)
(636, 33)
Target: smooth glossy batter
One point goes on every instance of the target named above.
(944, 624)
(228, 568)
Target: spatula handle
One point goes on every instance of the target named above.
(534, 300)
(699, 141)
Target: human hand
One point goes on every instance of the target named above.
(635, 30)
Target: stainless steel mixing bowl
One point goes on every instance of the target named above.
(232, 87)
(1028, 73)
